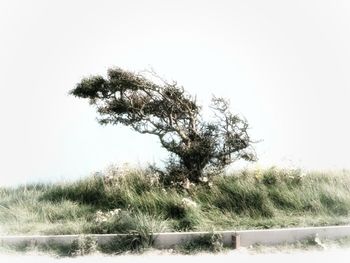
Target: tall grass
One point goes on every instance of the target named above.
(135, 201)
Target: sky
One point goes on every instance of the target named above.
(284, 65)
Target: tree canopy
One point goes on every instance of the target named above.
(198, 146)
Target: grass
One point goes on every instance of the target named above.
(83, 245)
(136, 244)
(135, 201)
(212, 242)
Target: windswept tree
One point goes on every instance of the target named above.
(164, 109)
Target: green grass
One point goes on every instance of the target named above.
(212, 242)
(136, 243)
(141, 204)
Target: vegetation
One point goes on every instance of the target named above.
(127, 200)
(212, 242)
(199, 147)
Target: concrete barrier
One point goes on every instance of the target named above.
(264, 237)
(291, 235)
(168, 240)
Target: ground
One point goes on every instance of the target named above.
(242, 255)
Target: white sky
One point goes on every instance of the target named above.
(283, 64)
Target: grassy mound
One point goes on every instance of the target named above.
(135, 201)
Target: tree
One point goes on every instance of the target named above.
(164, 109)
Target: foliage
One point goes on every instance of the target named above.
(212, 242)
(164, 109)
(83, 245)
(134, 242)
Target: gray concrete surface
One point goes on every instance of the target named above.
(264, 237)
(168, 240)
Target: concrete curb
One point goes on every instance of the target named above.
(250, 237)
(168, 240)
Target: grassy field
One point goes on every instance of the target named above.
(136, 201)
